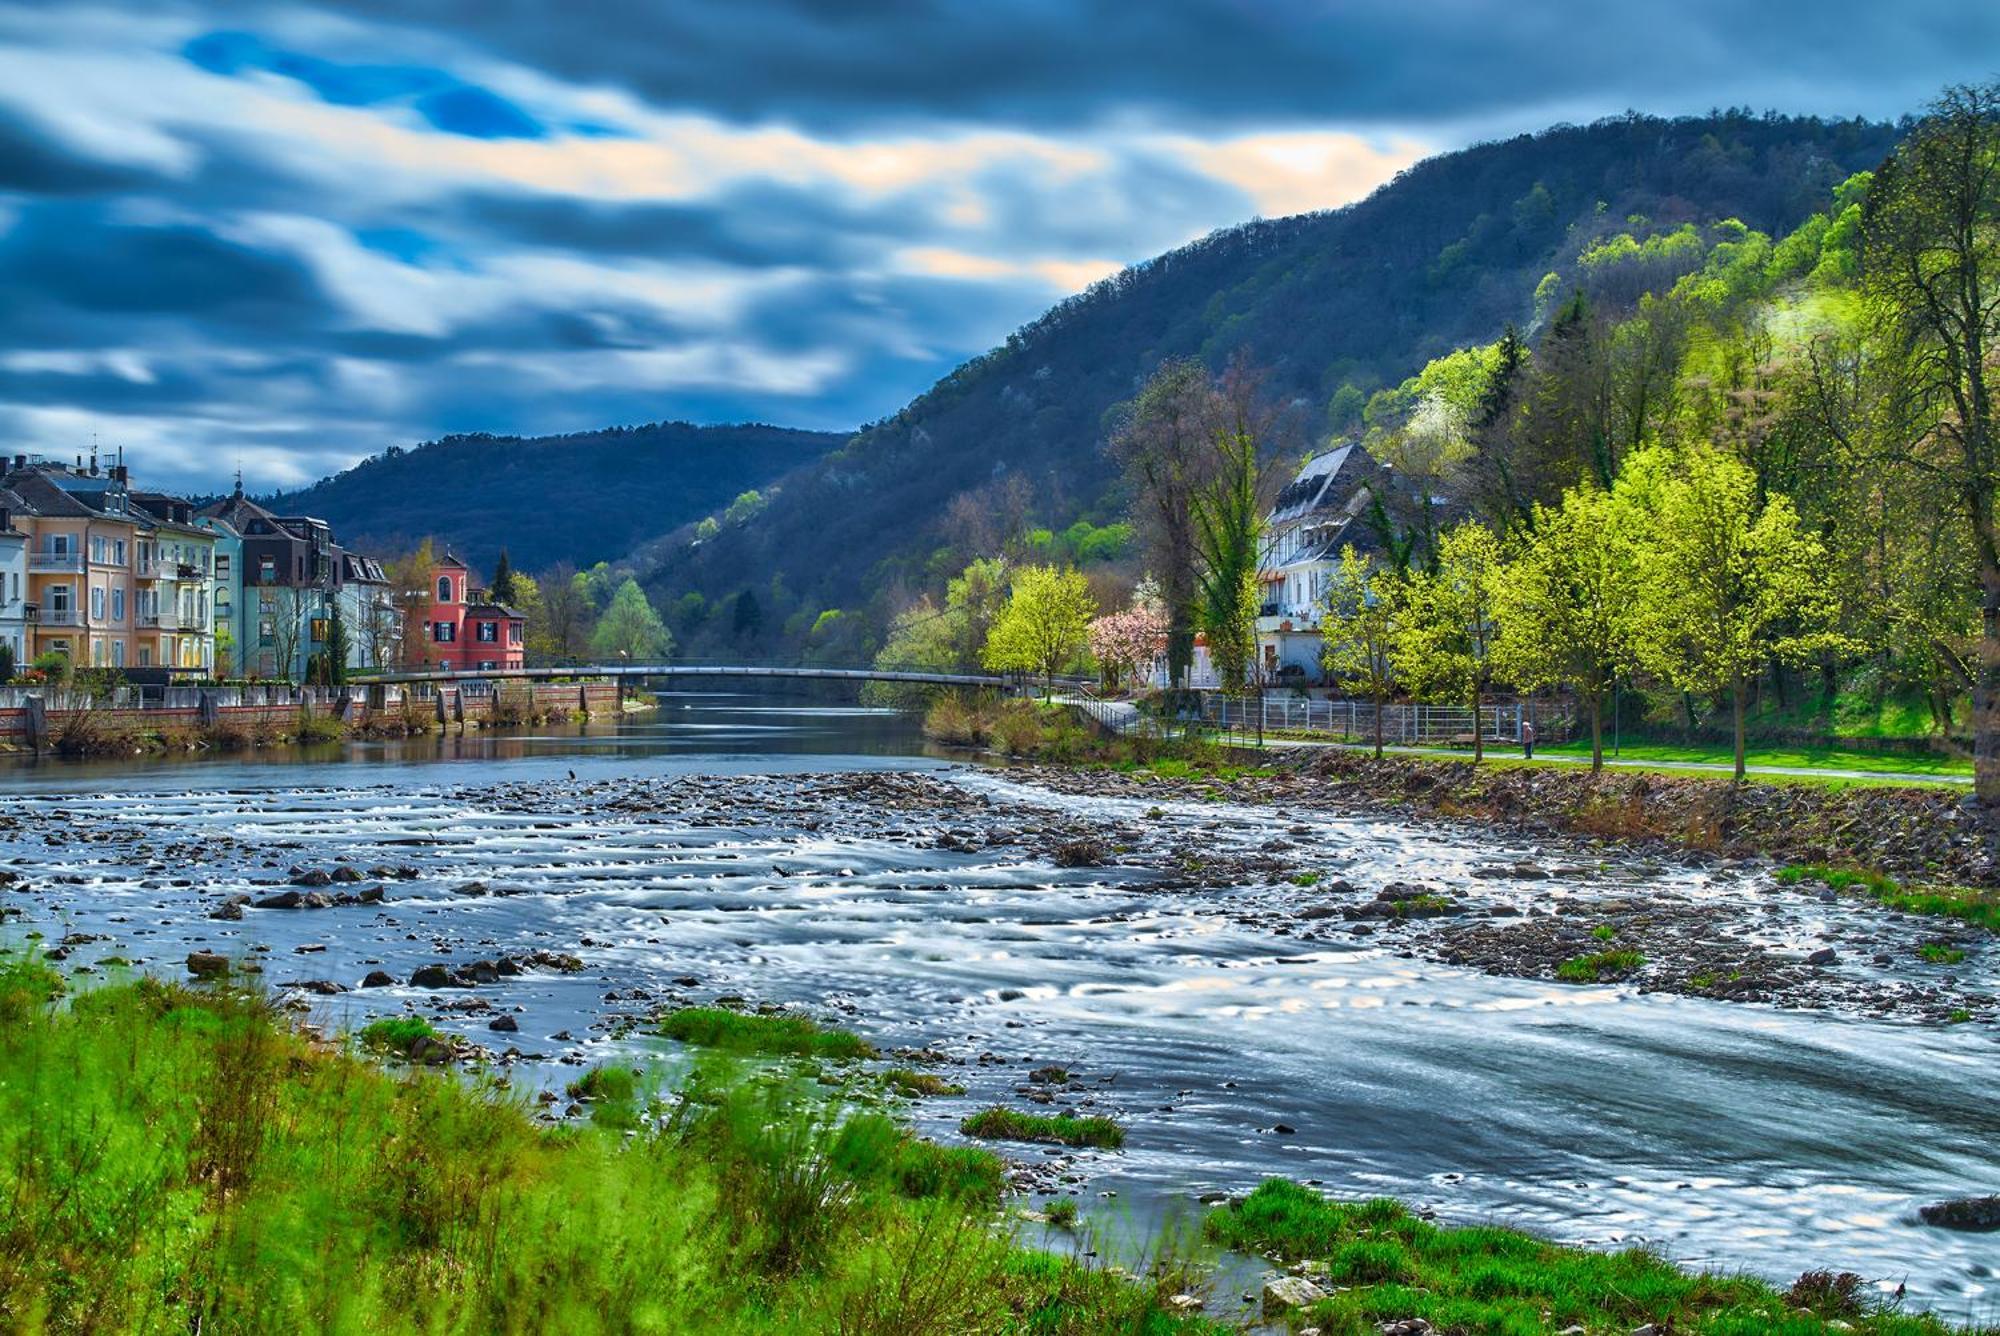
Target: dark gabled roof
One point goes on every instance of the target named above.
(500, 608)
(14, 504)
(48, 499)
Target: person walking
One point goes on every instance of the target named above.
(1528, 738)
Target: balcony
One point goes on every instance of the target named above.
(63, 563)
(59, 617)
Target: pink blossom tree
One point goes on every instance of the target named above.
(1123, 643)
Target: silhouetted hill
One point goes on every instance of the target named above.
(1443, 256)
(586, 497)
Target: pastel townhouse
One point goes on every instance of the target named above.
(175, 572)
(82, 584)
(1313, 518)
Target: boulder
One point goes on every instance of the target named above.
(314, 877)
(282, 900)
(1282, 1293)
(1974, 1214)
(1825, 955)
(379, 979)
(436, 976)
(504, 1024)
(207, 964)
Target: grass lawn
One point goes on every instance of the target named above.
(1796, 758)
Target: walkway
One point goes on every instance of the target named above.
(1512, 756)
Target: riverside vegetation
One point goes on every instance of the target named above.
(179, 1158)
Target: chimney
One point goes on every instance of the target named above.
(120, 475)
(20, 463)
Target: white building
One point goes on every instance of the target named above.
(1312, 519)
(14, 578)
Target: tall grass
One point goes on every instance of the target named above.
(177, 1159)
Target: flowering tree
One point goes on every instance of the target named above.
(1124, 642)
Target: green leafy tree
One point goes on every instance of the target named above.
(1358, 629)
(1045, 626)
(1931, 255)
(338, 644)
(630, 629)
(1563, 605)
(1443, 643)
(1229, 529)
(1724, 584)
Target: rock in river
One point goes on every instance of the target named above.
(1978, 1214)
(1284, 1292)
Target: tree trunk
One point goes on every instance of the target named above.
(1737, 694)
(1378, 728)
(1597, 735)
(1986, 692)
(1478, 734)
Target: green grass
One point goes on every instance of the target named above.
(1937, 953)
(1060, 1129)
(1061, 1212)
(396, 1034)
(1498, 1282)
(777, 1035)
(1604, 932)
(1601, 965)
(918, 1085)
(1793, 758)
(1977, 907)
(177, 1159)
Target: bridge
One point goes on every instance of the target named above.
(625, 671)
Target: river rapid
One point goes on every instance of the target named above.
(786, 853)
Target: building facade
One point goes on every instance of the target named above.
(463, 629)
(1310, 522)
(14, 539)
(289, 577)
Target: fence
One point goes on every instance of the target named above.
(1410, 725)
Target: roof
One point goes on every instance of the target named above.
(1313, 488)
(500, 608)
(449, 560)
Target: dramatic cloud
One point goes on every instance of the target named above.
(288, 234)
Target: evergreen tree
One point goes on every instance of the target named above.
(335, 651)
(504, 591)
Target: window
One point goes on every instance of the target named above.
(266, 630)
(488, 632)
(117, 605)
(513, 633)
(98, 550)
(222, 565)
(444, 633)
(97, 606)
(97, 653)
(488, 665)
(118, 552)
(319, 630)
(117, 654)
(145, 656)
(444, 589)
(267, 571)
(58, 544)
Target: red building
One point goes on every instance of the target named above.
(464, 629)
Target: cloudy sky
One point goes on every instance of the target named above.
(288, 235)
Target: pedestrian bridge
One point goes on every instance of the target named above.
(648, 672)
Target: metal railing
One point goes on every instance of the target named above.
(64, 562)
(1354, 720)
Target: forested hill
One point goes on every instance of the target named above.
(587, 497)
(1444, 256)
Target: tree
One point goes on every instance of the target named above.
(504, 591)
(561, 628)
(1229, 528)
(410, 577)
(1931, 260)
(1722, 584)
(1359, 626)
(1046, 624)
(1425, 457)
(6, 662)
(283, 608)
(1443, 640)
(1563, 605)
(1123, 643)
(334, 652)
(1164, 444)
(630, 629)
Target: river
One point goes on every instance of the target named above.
(1727, 1134)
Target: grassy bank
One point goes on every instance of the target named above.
(1981, 908)
(1789, 758)
(1379, 1263)
(177, 1160)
